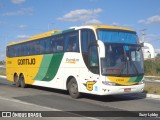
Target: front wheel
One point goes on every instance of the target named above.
(73, 88)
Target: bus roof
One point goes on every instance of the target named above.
(34, 37)
(54, 32)
(109, 27)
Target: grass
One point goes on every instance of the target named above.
(152, 88)
(2, 72)
(152, 78)
(152, 67)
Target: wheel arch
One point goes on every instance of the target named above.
(15, 75)
(21, 75)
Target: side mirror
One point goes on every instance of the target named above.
(101, 49)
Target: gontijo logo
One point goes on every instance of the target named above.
(31, 61)
(89, 85)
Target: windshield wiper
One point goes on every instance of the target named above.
(137, 73)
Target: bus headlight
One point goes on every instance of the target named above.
(108, 83)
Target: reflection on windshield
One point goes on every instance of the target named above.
(122, 60)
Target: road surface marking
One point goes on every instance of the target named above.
(51, 109)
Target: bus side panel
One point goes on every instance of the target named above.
(48, 70)
(68, 66)
(28, 66)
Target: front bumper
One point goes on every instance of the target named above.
(113, 90)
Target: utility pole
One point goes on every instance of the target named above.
(143, 34)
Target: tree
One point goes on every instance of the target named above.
(2, 62)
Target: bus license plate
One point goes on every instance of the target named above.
(127, 89)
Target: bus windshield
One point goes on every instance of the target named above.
(123, 53)
(117, 36)
(122, 60)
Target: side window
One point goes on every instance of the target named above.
(42, 46)
(58, 43)
(72, 42)
(28, 48)
(48, 45)
(93, 59)
(9, 51)
(17, 50)
(25, 49)
(37, 47)
(53, 47)
(87, 37)
(20, 49)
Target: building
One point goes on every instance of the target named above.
(148, 51)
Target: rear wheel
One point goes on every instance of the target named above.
(22, 81)
(73, 88)
(16, 80)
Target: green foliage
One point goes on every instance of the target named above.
(2, 62)
(2, 72)
(152, 88)
(152, 67)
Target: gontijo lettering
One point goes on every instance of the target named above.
(31, 61)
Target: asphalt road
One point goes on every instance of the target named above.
(45, 99)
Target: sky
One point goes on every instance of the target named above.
(20, 19)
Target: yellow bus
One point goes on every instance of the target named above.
(93, 59)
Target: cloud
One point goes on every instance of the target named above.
(22, 36)
(93, 21)
(21, 12)
(18, 1)
(151, 20)
(81, 15)
(152, 37)
(123, 25)
(22, 26)
(115, 23)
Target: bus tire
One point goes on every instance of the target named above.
(16, 80)
(73, 88)
(22, 81)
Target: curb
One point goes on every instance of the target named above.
(153, 96)
(147, 95)
(151, 80)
